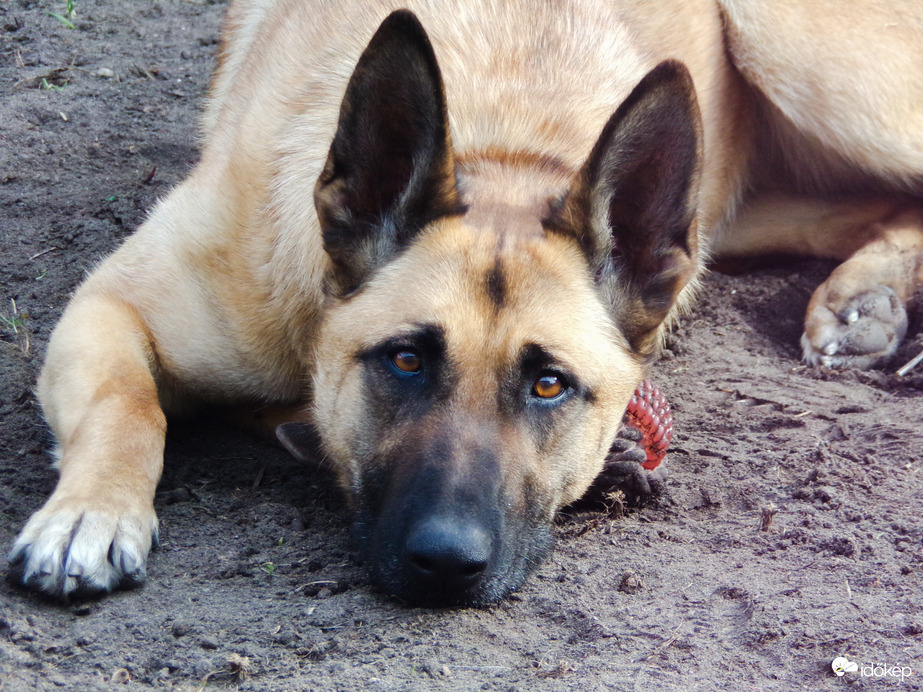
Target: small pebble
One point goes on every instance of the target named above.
(631, 583)
(105, 73)
(434, 668)
(120, 676)
(176, 495)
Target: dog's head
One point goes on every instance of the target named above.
(475, 360)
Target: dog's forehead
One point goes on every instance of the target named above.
(492, 290)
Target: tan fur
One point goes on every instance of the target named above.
(220, 295)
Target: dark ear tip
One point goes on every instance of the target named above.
(672, 68)
(401, 17)
(401, 32)
(402, 22)
(671, 73)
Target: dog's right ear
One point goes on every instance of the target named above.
(390, 170)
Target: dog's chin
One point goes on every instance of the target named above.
(514, 560)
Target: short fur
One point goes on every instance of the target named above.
(510, 200)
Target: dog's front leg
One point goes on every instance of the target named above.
(99, 394)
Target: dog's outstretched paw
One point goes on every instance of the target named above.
(65, 552)
(859, 332)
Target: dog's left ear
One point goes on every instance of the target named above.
(301, 440)
(390, 170)
(633, 206)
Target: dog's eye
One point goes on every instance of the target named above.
(407, 361)
(549, 386)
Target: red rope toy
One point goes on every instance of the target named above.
(649, 412)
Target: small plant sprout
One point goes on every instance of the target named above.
(269, 568)
(70, 7)
(15, 324)
(49, 86)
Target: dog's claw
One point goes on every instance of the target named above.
(66, 553)
(623, 470)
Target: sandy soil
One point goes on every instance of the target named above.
(256, 586)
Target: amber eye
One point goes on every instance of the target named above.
(548, 386)
(407, 361)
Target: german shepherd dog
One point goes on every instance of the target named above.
(450, 237)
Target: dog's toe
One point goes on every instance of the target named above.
(67, 552)
(859, 332)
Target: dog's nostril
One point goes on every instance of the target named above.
(447, 566)
(473, 570)
(422, 563)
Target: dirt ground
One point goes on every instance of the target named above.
(255, 585)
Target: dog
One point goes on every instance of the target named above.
(449, 239)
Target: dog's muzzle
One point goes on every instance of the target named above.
(437, 531)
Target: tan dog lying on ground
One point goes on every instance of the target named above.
(510, 200)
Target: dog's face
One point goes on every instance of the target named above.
(471, 389)
(472, 369)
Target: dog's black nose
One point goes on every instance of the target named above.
(447, 556)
